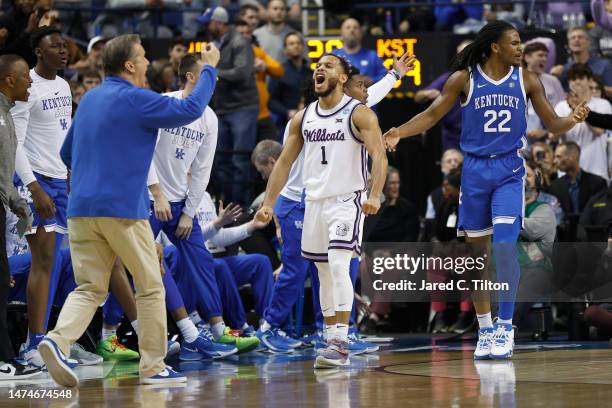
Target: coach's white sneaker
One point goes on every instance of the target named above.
(503, 341)
(483, 347)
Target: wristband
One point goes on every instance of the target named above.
(395, 74)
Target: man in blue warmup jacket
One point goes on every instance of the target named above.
(108, 150)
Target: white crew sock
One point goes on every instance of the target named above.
(217, 330)
(265, 326)
(188, 330)
(342, 331)
(484, 320)
(135, 326)
(329, 331)
(106, 333)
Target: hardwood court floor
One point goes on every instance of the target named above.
(410, 372)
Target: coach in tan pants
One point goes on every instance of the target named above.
(109, 149)
(94, 245)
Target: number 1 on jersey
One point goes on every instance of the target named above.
(323, 161)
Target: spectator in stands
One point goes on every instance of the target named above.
(543, 154)
(597, 87)
(601, 10)
(574, 189)
(17, 26)
(445, 244)
(514, 13)
(535, 57)
(365, 60)
(593, 141)
(447, 16)
(285, 93)
(579, 44)
(265, 66)
(161, 76)
(14, 83)
(451, 159)
(93, 61)
(236, 104)
(77, 89)
(89, 79)
(176, 52)
(398, 219)
(451, 123)
(535, 242)
(271, 35)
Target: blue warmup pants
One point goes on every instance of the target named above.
(193, 270)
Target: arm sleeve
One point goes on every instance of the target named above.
(21, 116)
(274, 89)
(539, 223)
(202, 165)
(378, 91)
(160, 111)
(600, 120)
(66, 149)
(229, 236)
(242, 67)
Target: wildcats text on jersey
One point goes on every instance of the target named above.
(321, 135)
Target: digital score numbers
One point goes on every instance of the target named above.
(386, 48)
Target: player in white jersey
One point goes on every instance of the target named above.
(289, 211)
(179, 152)
(41, 125)
(337, 133)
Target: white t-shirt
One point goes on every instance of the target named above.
(594, 156)
(189, 148)
(41, 125)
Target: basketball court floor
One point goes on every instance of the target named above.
(409, 371)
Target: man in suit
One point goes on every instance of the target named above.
(574, 189)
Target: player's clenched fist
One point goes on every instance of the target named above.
(371, 206)
(581, 111)
(210, 55)
(264, 214)
(392, 138)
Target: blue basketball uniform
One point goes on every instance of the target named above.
(492, 136)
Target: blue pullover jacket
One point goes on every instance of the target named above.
(110, 144)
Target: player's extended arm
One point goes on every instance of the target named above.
(280, 173)
(366, 121)
(550, 119)
(429, 117)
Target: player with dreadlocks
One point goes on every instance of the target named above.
(494, 91)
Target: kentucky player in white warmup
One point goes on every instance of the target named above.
(41, 125)
(337, 133)
(180, 151)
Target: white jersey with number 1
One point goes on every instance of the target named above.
(335, 160)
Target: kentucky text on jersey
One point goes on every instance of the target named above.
(186, 133)
(496, 100)
(59, 102)
(321, 135)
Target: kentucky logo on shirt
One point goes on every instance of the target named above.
(61, 105)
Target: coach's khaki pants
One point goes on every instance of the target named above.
(94, 245)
